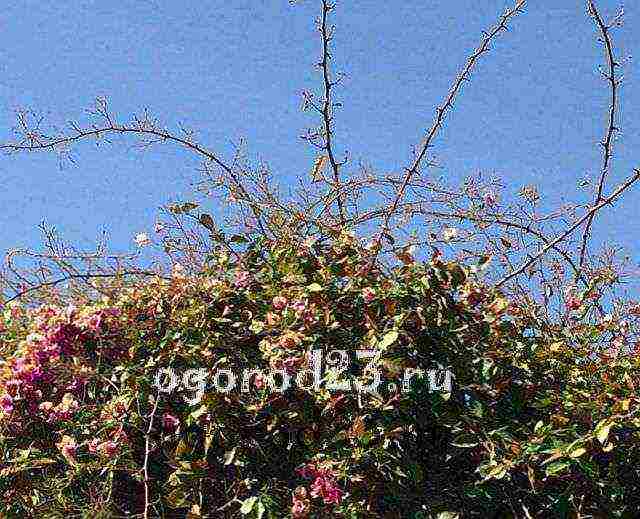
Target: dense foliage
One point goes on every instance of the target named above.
(538, 423)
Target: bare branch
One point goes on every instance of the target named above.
(34, 139)
(327, 104)
(39, 142)
(83, 277)
(147, 452)
(551, 244)
(442, 110)
(607, 143)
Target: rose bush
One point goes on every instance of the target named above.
(541, 421)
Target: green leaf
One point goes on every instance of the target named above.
(177, 498)
(247, 505)
(260, 510)
(557, 467)
(256, 326)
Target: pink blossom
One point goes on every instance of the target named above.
(46, 406)
(69, 451)
(242, 279)
(77, 384)
(573, 303)
(6, 403)
(299, 306)
(70, 312)
(279, 302)
(112, 312)
(289, 364)
(142, 239)
(300, 507)
(108, 448)
(68, 448)
(309, 316)
(93, 445)
(369, 294)
(94, 322)
(325, 487)
(490, 198)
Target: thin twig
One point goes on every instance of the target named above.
(37, 145)
(84, 277)
(145, 467)
(442, 110)
(327, 106)
(570, 230)
(607, 143)
(36, 141)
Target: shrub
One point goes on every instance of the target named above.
(534, 421)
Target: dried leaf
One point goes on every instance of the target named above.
(318, 167)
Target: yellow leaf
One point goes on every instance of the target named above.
(358, 428)
(557, 454)
(577, 452)
(499, 305)
(602, 430)
(67, 399)
(532, 477)
(318, 166)
(388, 339)
(497, 472)
(555, 346)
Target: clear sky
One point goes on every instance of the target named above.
(234, 69)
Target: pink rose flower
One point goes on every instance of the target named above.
(93, 445)
(108, 449)
(326, 488)
(279, 302)
(242, 279)
(368, 294)
(299, 306)
(94, 322)
(6, 403)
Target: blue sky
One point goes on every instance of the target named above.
(230, 70)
